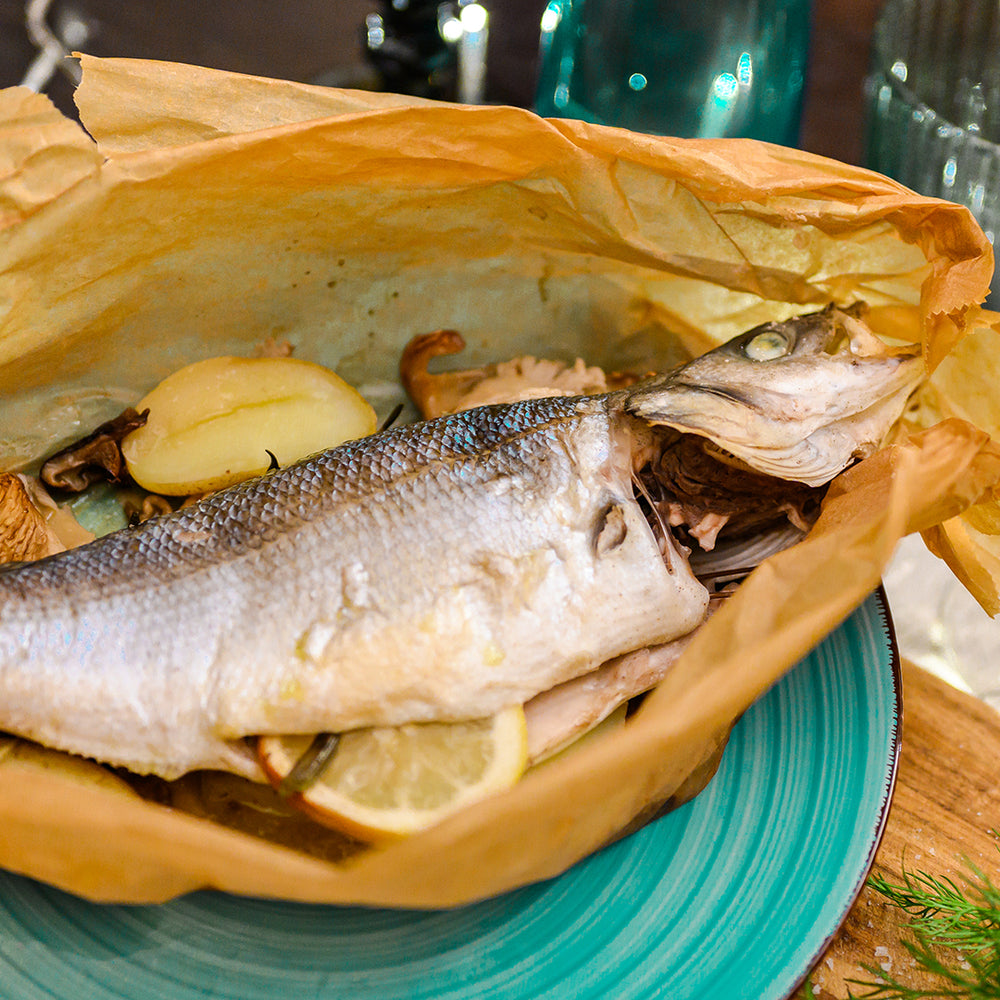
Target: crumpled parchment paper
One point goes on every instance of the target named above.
(207, 211)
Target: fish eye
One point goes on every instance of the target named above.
(767, 345)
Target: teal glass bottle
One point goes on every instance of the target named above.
(689, 68)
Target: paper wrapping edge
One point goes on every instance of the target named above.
(111, 848)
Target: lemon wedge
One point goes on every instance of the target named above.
(388, 782)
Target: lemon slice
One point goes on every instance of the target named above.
(387, 782)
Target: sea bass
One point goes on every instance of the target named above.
(446, 569)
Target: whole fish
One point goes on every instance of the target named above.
(441, 570)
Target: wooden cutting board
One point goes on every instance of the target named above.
(945, 809)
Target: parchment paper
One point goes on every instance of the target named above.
(215, 210)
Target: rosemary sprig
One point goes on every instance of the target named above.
(956, 931)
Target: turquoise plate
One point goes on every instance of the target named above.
(734, 895)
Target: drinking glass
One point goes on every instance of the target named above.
(933, 100)
(672, 67)
(933, 123)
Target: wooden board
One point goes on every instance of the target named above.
(946, 808)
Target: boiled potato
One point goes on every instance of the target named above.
(213, 423)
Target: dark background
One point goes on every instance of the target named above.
(320, 41)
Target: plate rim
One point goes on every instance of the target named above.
(888, 790)
(885, 654)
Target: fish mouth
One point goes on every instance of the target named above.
(729, 394)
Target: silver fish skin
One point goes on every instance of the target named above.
(441, 570)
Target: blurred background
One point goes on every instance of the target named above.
(340, 43)
(489, 51)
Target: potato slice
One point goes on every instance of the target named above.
(213, 423)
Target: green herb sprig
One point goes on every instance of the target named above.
(956, 931)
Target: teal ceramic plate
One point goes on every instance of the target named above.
(733, 895)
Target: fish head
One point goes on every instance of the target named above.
(799, 399)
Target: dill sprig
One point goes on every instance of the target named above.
(956, 936)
